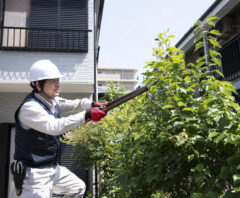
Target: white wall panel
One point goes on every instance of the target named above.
(78, 67)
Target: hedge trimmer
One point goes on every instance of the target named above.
(127, 97)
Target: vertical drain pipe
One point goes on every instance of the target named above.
(95, 98)
(206, 50)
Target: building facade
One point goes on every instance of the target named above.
(63, 31)
(124, 76)
(228, 24)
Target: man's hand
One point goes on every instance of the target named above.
(99, 105)
(94, 114)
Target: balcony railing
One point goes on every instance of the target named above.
(43, 39)
(231, 59)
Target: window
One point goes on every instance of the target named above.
(102, 85)
(58, 25)
(101, 72)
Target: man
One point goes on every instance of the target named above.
(38, 126)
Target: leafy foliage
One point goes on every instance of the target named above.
(181, 139)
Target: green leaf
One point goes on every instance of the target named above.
(187, 78)
(199, 167)
(168, 106)
(223, 173)
(212, 135)
(180, 104)
(199, 37)
(214, 42)
(236, 179)
(176, 98)
(197, 195)
(211, 23)
(213, 17)
(197, 30)
(200, 59)
(191, 157)
(220, 73)
(210, 20)
(215, 32)
(198, 45)
(217, 61)
(189, 109)
(236, 190)
(224, 123)
(214, 53)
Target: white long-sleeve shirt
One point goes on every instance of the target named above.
(32, 115)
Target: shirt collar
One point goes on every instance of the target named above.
(45, 102)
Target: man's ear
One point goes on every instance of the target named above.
(38, 86)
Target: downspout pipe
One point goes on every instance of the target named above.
(206, 50)
(95, 97)
(2, 9)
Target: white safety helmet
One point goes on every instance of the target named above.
(43, 69)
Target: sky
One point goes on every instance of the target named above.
(129, 28)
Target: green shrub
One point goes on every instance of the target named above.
(181, 139)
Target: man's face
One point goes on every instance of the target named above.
(52, 87)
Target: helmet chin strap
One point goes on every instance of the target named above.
(45, 94)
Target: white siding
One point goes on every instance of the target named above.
(76, 67)
(8, 105)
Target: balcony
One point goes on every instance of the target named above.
(231, 59)
(43, 39)
(108, 77)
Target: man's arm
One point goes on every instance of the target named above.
(32, 115)
(73, 105)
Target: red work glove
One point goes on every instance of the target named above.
(94, 114)
(99, 105)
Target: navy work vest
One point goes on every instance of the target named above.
(34, 148)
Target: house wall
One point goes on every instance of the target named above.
(126, 77)
(77, 69)
(229, 27)
(113, 73)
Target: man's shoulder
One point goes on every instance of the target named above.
(31, 103)
(58, 99)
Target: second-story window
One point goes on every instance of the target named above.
(58, 25)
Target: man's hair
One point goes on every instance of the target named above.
(33, 85)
